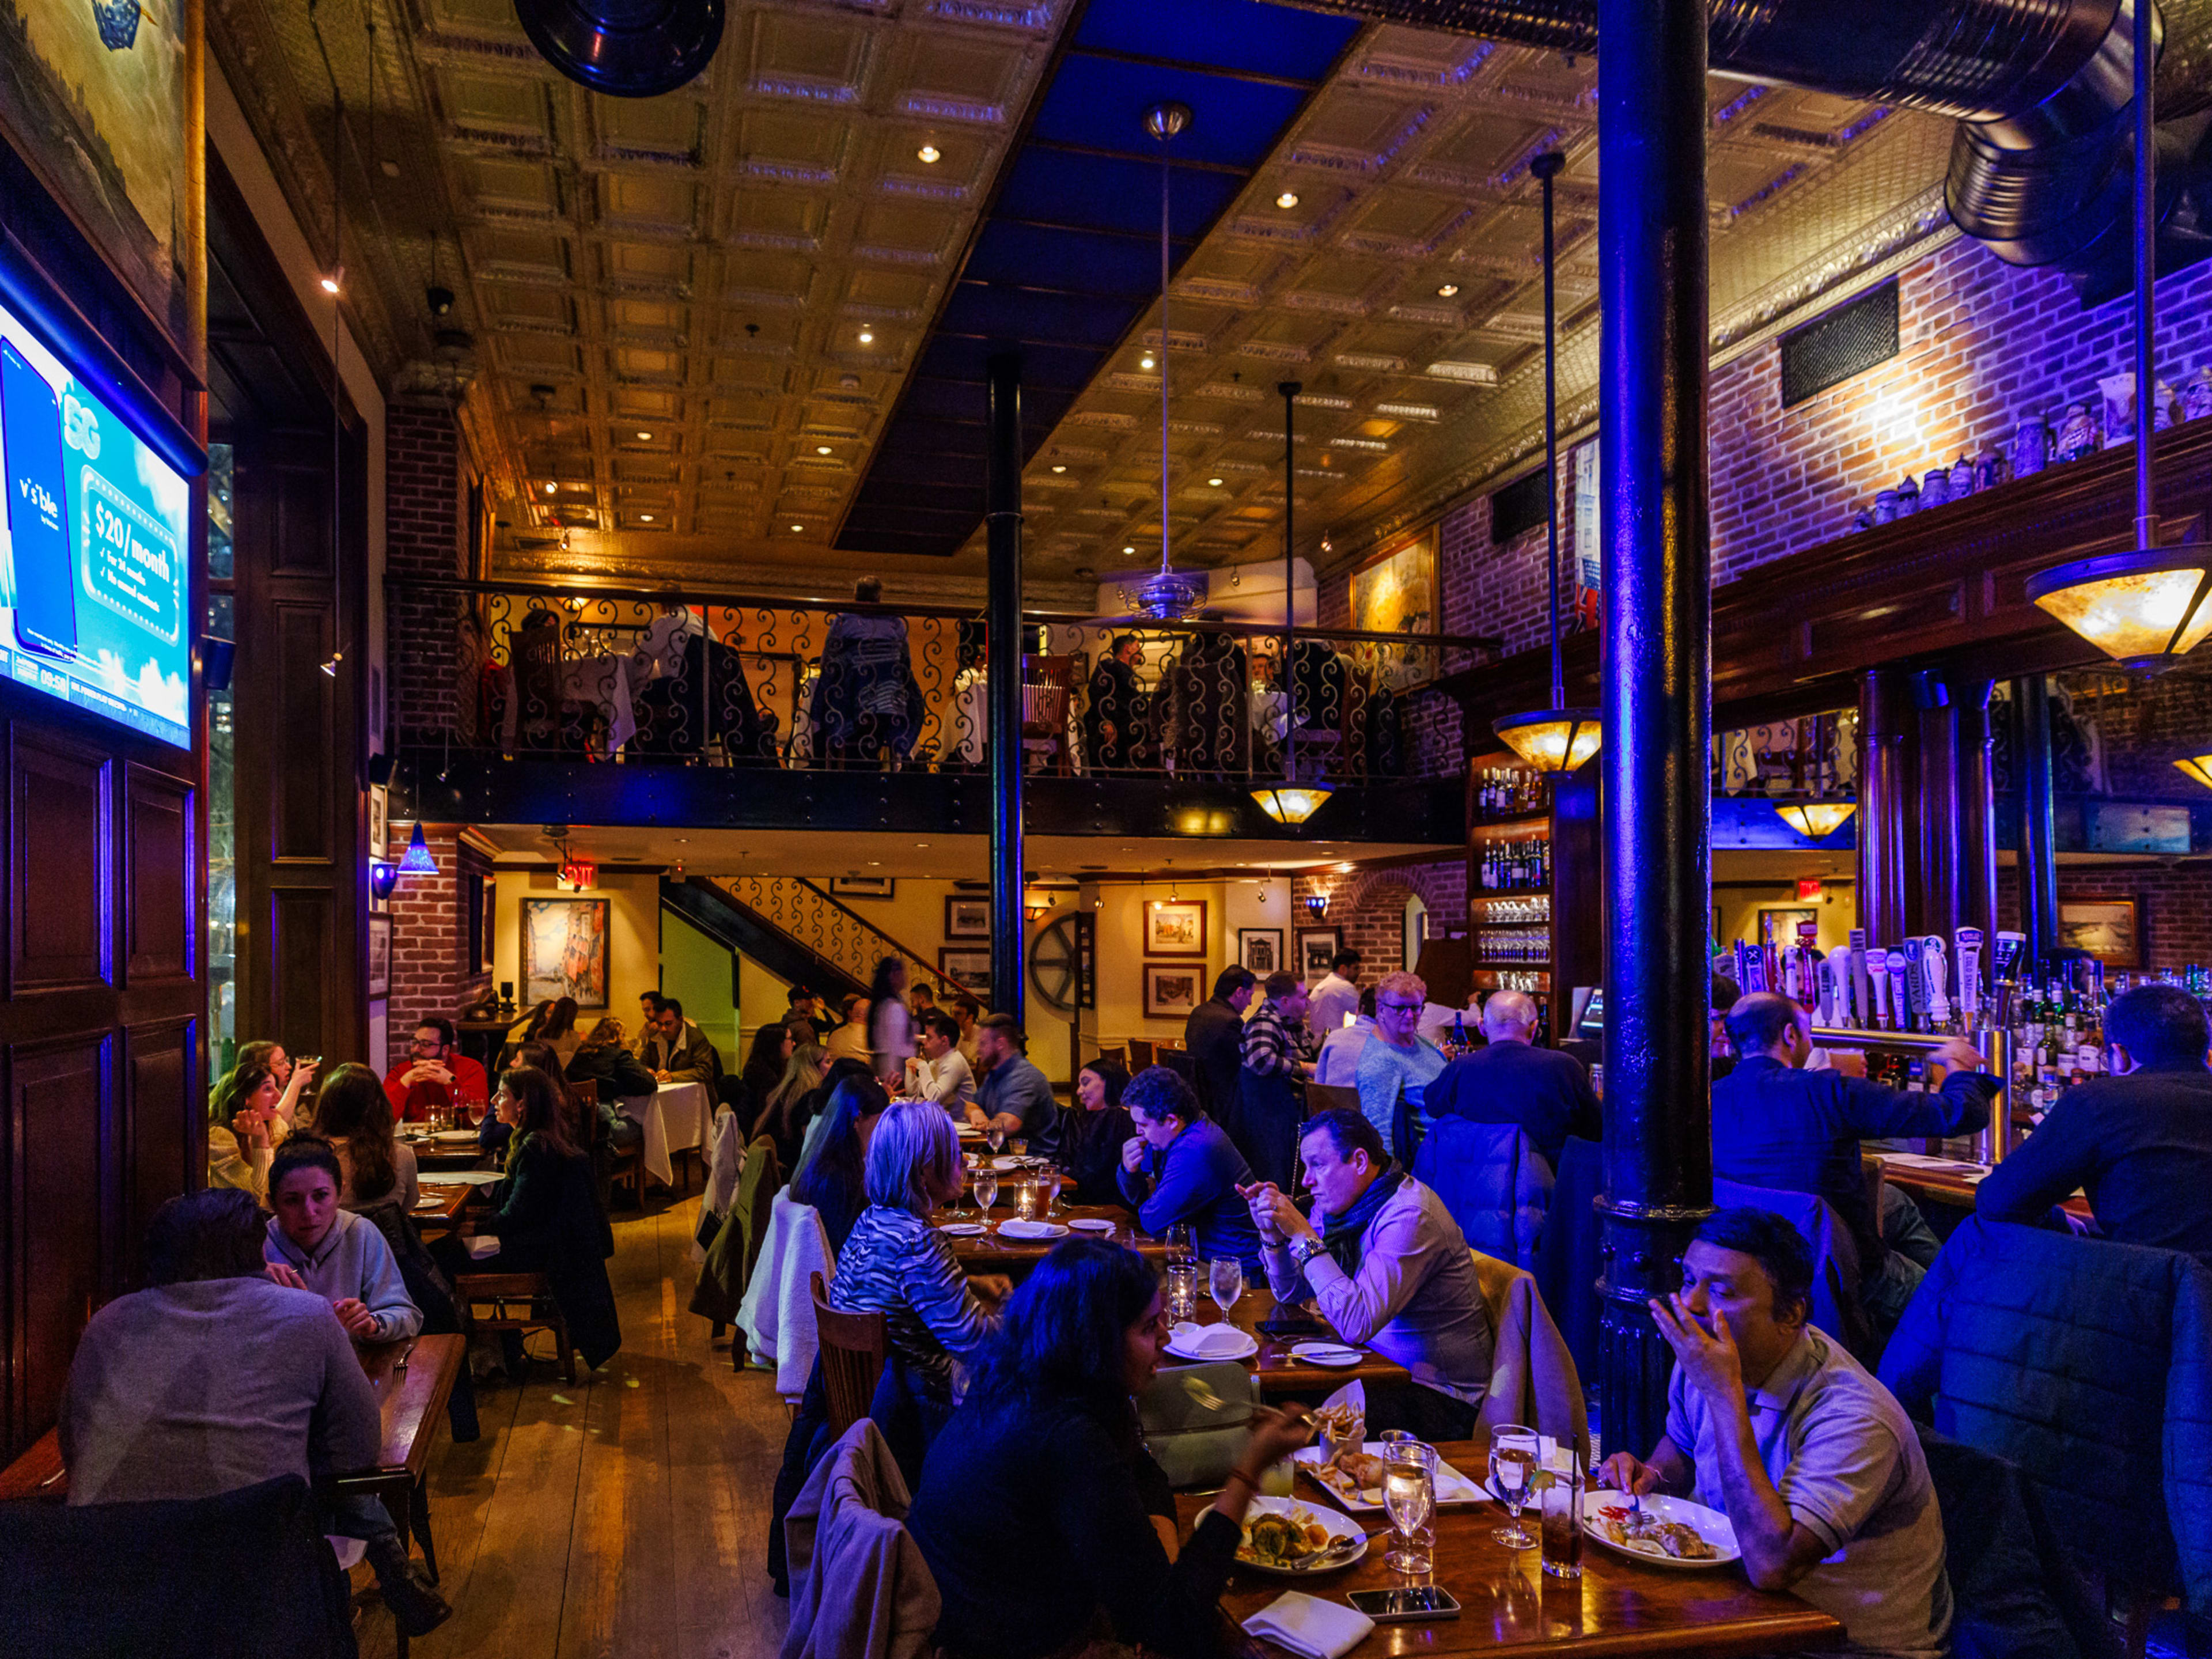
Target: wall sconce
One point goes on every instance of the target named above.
(1317, 902)
(1035, 903)
(418, 861)
(382, 878)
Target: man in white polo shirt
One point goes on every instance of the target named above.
(1814, 1461)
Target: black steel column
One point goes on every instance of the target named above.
(1002, 662)
(1657, 683)
(2038, 843)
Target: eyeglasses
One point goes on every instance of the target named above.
(1400, 1007)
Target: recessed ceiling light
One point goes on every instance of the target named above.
(646, 518)
(1144, 361)
(645, 437)
(921, 843)
(1289, 198)
(1447, 290)
(929, 153)
(334, 280)
(866, 338)
(550, 488)
(1060, 466)
(682, 841)
(1128, 549)
(798, 528)
(822, 449)
(1216, 483)
(875, 863)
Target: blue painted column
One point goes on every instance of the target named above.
(1657, 683)
(1002, 658)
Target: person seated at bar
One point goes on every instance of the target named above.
(1180, 1168)
(1397, 1063)
(675, 1050)
(1114, 717)
(315, 1243)
(354, 1115)
(774, 1044)
(894, 1262)
(1092, 1135)
(1336, 1066)
(1013, 1094)
(292, 1078)
(1778, 1124)
(256, 1381)
(1332, 1003)
(1214, 1035)
(2138, 1141)
(1544, 1092)
(436, 1073)
(849, 1040)
(832, 1176)
(1046, 1453)
(940, 1073)
(1814, 1462)
(867, 704)
(1386, 1264)
(243, 1129)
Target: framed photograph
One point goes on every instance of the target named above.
(380, 955)
(1316, 946)
(1778, 923)
(862, 886)
(1172, 989)
(2109, 929)
(379, 800)
(488, 939)
(970, 969)
(1393, 590)
(564, 950)
(966, 917)
(1175, 927)
(1261, 949)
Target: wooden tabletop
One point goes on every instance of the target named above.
(1617, 1608)
(1954, 1184)
(1280, 1372)
(989, 1252)
(439, 1206)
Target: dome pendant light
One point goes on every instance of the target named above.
(624, 48)
(1557, 738)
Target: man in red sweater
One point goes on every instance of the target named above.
(435, 1073)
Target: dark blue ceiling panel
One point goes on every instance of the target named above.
(1065, 261)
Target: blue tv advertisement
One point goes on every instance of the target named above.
(94, 550)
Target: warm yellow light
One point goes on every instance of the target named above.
(822, 449)
(2199, 768)
(645, 437)
(1289, 803)
(1215, 483)
(646, 518)
(1447, 290)
(1144, 361)
(866, 338)
(1816, 820)
(798, 528)
(2145, 606)
(550, 488)
(1061, 466)
(1553, 740)
(929, 153)
(1288, 199)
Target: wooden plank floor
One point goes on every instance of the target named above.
(623, 1518)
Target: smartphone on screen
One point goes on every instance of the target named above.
(1411, 1605)
(38, 508)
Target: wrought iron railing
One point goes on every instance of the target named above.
(731, 680)
(831, 930)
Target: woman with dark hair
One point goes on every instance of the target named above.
(241, 1132)
(526, 1029)
(293, 1077)
(1091, 1138)
(559, 1031)
(1047, 1449)
(891, 1022)
(833, 1176)
(774, 1044)
(354, 1115)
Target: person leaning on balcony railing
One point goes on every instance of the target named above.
(1113, 719)
(867, 704)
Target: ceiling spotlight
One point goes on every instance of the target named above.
(550, 488)
(1447, 290)
(798, 528)
(822, 449)
(645, 518)
(867, 338)
(331, 667)
(645, 437)
(335, 281)
(1216, 483)
(929, 154)
(1289, 198)
(1144, 361)
(1128, 549)
(1060, 466)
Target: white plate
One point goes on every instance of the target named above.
(1247, 1345)
(1032, 1230)
(1711, 1525)
(1326, 1354)
(1091, 1223)
(1452, 1487)
(1338, 1526)
(962, 1229)
(1008, 1161)
(455, 1135)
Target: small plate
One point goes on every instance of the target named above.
(1091, 1223)
(1711, 1525)
(964, 1229)
(1338, 1526)
(1032, 1230)
(1326, 1354)
(455, 1135)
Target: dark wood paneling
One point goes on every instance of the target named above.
(61, 895)
(300, 785)
(160, 1147)
(158, 927)
(301, 941)
(58, 1099)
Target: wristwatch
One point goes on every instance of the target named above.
(1306, 1249)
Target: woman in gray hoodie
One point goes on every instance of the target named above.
(317, 1244)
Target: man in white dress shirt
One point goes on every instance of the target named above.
(1332, 1004)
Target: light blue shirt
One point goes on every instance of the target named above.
(1384, 1073)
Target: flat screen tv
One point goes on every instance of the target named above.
(95, 548)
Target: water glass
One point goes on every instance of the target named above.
(1409, 1497)
(1515, 1453)
(985, 1185)
(1182, 1291)
(1225, 1282)
(1560, 1516)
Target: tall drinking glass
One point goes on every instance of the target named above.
(1560, 1514)
(1181, 1247)
(986, 1188)
(1409, 1497)
(997, 1138)
(1225, 1282)
(1515, 1453)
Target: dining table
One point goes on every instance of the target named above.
(1509, 1604)
(992, 1252)
(676, 1117)
(438, 1204)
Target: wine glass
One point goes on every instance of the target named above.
(1225, 1282)
(1515, 1453)
(996, 1136)
(1180, 1246)
(986, 1188)
(1409, 1495)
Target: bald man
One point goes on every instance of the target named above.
(1545, 1093)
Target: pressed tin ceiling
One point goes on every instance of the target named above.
(661, 303)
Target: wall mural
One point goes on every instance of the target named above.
(93, 93)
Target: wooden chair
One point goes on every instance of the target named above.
(1047, 694)
(854, 1348)
(1119, 1053)
(617, 1166)
(504, 1291)
(1141, 1055)
(1328, 1096)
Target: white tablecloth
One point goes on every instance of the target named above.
(674, 1117)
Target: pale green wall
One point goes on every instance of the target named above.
(695, 971)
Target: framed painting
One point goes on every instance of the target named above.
(862, 886)
(1172, 989)
(1393, 590)
(1261, 949)
(1175, 927)
(970, 969)
(966, 917)
(564, 950)
(380, 955)
(1316, 947)
(2109, 929)
(378, 799)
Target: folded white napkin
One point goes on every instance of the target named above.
(1352, 1393)
(1205, 1341)
(482, 1250)
(1306, 1625)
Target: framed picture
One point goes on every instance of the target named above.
(380, 955)
(488, 939)
(2109, 929)
(378, 798)
(1316, 945)
(966, 917)
(1261, 949)
(1778, 923)
(564, 950)
(1172, 989)
(862, 886)
(1394, 590)
(1175, 927)
(970, 969)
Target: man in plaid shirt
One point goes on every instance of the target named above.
(1275, 1033)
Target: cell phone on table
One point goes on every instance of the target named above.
(1410, 1605)
(38, 508)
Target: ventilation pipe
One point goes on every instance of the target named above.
(624, 48)
(2042, 162)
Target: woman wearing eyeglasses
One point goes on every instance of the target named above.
(1398, 1064)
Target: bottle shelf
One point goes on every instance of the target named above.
(1512, 892)
(1515, 821)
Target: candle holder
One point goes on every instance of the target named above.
(1026, 1200)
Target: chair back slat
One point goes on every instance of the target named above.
(854, 1348)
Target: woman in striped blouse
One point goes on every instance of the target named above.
(896, 1263)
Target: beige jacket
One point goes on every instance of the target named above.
(860, 1589)
(1532, 1378)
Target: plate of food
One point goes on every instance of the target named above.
(1354, 1479)
(455, 1135)
(1669, 1531)
(1283, 1537)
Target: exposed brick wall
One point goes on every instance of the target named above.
(2145, 725)
(431, 969)
(2175, 901)
(1369, 906)
(424, 537)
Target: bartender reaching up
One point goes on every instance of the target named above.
(1778, 1124)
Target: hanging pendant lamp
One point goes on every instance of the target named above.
(1289, 801)
(417, 861)
(2199, 769)
(624, 48)
(1557, 738)
(1816, 820)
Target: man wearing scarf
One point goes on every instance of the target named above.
(1387, 1266)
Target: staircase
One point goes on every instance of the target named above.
(796, 931)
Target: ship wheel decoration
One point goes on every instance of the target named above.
(1059, 963)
